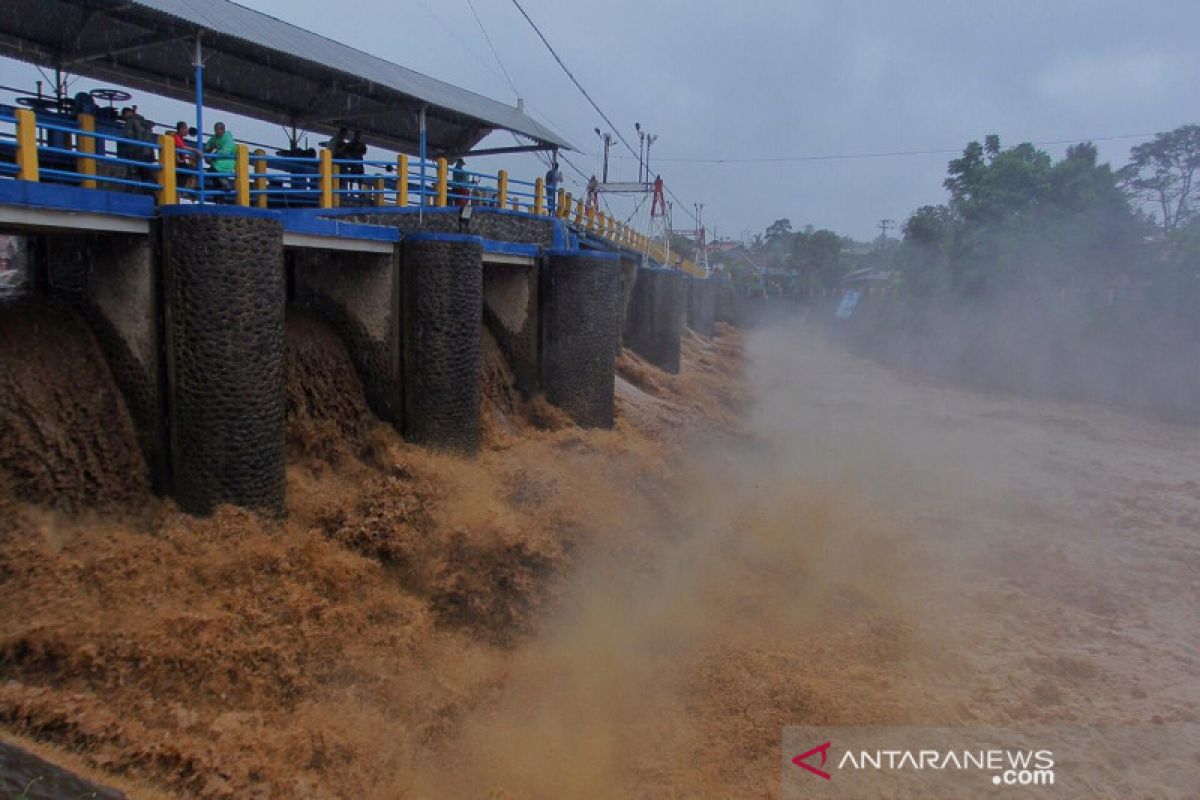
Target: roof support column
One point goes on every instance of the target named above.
(421, 212)
(199, 64)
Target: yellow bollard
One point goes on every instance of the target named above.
(591, 219)
(567, 206)
(86, 145)
(401, 180)
(379, 187)
(579, 211)
(241, 175)
(326, 172)
(539, 195)
(260, 178)
(442, 187)
(502, 188)
(168, 193)
(27, 154)
(337, 185)
(560, 206)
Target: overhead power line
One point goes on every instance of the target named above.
(588, 96)
(571, 75)
(894, 154)
(492, 47)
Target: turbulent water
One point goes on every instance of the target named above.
(783, 534)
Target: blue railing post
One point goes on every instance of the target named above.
(421, 213)
(199, 123)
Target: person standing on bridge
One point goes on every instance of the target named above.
(186, 156)
(221, 145)
(355, 150)
(137, 129)
(553, 181)
(593, 194)
(460, 183)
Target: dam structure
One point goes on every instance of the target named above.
(185, 265)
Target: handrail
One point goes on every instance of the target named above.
(63, 150)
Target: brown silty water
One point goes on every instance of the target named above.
(781, 534)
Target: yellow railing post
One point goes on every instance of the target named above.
(560, 207)
(168, 193)
(326, 172)
(241, 175)
(502, 188)
(401, 180)
(337, 185)
(591, 218)
(516, 204)
(579, 211)
(442, 186)
(379, 187)
(260, 178)
(86, 145)
(567, 206)
(539, 195)
(27, 154)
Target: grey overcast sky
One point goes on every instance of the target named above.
(782, 78)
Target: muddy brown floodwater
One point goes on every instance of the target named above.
(783, 534)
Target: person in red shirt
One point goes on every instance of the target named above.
(185, 155)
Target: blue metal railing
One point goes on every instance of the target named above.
(85, 152)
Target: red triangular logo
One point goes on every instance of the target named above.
(823, 749)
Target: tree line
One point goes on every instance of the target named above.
(1017, 219)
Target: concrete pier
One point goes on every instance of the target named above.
(580, 313)
(442, 302)
(224, 303)
(655, 320)
(702, 305)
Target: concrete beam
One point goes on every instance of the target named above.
(314, 242)
(43, 219)
(508, 259)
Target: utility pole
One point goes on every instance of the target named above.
(607, 138)
(649, 141)
(884, 224)
(641, 146)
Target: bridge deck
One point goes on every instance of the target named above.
(39, 207)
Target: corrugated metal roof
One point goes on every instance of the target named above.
(256, 63)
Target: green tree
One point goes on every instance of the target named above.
(817, 257)
(1161, 172)
(778, 230)
(928, 225)
(1015, 216)
(776, 243)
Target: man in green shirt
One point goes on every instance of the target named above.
(221, 143)
(460, 186)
